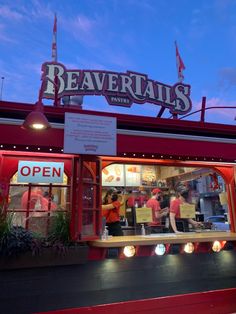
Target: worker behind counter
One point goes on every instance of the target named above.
(157, 212)
(112, 202)
(178, 224)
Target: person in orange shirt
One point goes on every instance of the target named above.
(45, 201)
(111, 212)
(35, 195)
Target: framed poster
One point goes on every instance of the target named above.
(113, 175)
(133, 175)
(149, 177)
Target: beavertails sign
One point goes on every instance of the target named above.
(120, 89)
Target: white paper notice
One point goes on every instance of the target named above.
(90, 135)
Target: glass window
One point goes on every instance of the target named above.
(33, 205)
(207, 189)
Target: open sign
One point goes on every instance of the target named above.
(40, 172)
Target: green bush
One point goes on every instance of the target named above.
(60, 228)
(16, 241)
(5, 223)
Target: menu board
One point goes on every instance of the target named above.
(113, 175)
(133, 175)
(149, 177)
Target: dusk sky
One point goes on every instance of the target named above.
(121, 35)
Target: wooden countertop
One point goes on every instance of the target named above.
(204, 236)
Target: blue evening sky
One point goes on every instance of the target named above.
(121, 35)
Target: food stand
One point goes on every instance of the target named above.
(139, 153)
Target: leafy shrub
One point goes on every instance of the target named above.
(60, 229)
(16, 241)
(5, 223)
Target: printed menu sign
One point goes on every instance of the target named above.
(223, 198)
(88, 134)
(133, 175)
(143, 214)
(187, 210)
(149, 177)
(113, 175)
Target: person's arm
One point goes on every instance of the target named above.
(194, 223)
(160, 213)
(113, 205)
(165, 211)
(172, 222)
(108, 206)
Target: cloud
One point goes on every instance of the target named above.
(227, 77)
(145, 5)
(84, 24)
(227, 113)
(4, 37)
(39, 10)
(8, 13)
(83, 29)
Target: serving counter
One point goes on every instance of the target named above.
(165, 238)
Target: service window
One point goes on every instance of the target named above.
(207, 190)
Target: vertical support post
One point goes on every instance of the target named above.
(74, 200)
(203, 109)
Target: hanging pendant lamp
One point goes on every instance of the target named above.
(36, 119)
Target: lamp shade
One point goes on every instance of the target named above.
(36, 120)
